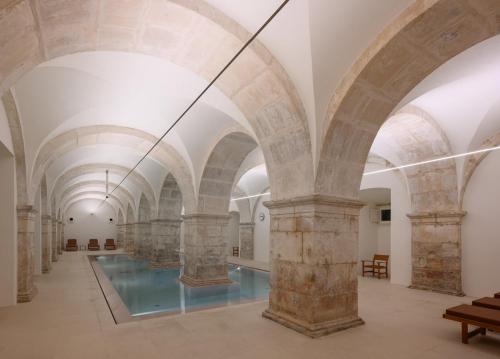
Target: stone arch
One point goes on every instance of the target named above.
(164, 154)
(130, 218)
(143, 245)
(414, 136)
(121, 192)
(136, 178)
(129, 230)
(220, 170)
(116, 202)
(166, 228)
(257, 83)
(419, 40)
(76, 199)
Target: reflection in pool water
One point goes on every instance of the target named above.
(146, 290)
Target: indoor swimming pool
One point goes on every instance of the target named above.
(145, 290)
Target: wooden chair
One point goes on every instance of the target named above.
(236, 251)
(378, 266)
(497, 295)
(71, 245)
(110, 244)
(481, 317)
(93, 245)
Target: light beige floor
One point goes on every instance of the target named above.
(69, 319)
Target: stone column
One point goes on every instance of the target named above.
(437, 251)
(46, 244)
(143, 247)
(120, 235)
(59, 247)
(129, 237)
(63, 245)
(205, 250)
(165, 237)
(26, 289)
(246, 240)
(314, 253)
(55, 252)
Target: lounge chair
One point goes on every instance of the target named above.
(492, 303)
(71, 245)
(483, 318)
(110, 244)
(93, 245)
(378, 266)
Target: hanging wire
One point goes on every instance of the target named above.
(221, 72)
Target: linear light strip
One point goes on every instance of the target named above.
(433, 160)
(252, 196)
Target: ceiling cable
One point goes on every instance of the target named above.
(249, 41)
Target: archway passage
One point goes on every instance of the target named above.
(166, 229)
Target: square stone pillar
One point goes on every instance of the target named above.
(205, 250)
(59, 236)
(165, 236)
(246, 240)
(143, 247)
(46, 243)
(314, 254)
(26, 289)
(437, 251)
(55, 252)
(129, 238)
(120, 236)
(63, 244)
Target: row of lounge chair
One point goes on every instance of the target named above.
(93, 245)
(484, 314)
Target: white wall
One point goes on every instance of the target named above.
(86, 226)
(400, 228)
(374, 238)
(367, 236)
(261, 231)
(8, 243)
(481, 230)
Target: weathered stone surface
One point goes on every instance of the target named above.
(129, 242)
(165, 237)
(143, 246)
(437, 251)
(26, 289)
(46, 243)
(205, 250)
(120, 235)
(55, 251)
(60, 239)
(246, 240)
(314, 244)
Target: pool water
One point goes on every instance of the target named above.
(146, 290)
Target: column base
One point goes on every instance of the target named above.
(312, 330)
(25, 297)
(457, 293)
(45, 271)
(193, 282)
(165, 264)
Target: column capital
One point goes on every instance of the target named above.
(313, 203)
(437, 217)
(206, 216)
(26, 209)
(166, 220)
(46, 217)
(247, 224)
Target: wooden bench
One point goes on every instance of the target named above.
(378, 266)
(486, 302)
(481, 317)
